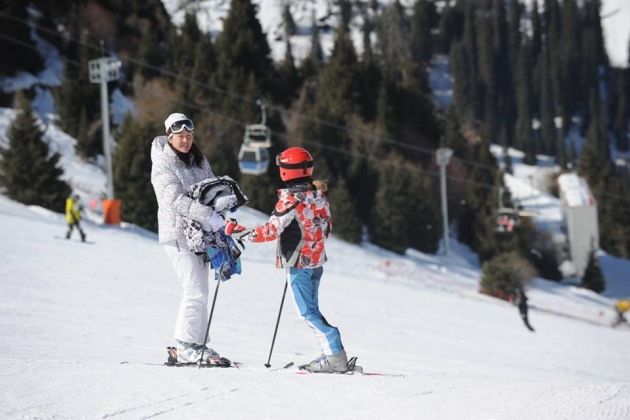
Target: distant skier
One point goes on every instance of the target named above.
(177, 164)
(520, 300)
(301, 222)
(74, 209)
(621, 307)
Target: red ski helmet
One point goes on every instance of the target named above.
(294, 163)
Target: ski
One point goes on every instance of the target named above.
(236, 365)
(221, 362)
(285, 367)
(353, 368)
(87, 242)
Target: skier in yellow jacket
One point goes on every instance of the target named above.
(621, 307)
(73, 215)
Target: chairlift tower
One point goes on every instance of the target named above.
(443, 156)
(102, 71)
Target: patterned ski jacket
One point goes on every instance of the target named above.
(301, 220)
(171, 179)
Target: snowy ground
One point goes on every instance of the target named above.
(72, 312)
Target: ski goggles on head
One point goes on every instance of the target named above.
(302, 165)
(179, 126)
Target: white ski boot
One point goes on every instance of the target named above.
(191, 353)
(336, 363)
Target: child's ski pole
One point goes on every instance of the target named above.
(205, 340)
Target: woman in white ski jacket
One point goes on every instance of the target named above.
(177, 164)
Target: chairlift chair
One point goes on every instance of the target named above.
(253, 160)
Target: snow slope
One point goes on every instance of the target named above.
(72, 312)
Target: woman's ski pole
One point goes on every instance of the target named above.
(277, 323)
(205, 340)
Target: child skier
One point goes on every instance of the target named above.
(301, 222)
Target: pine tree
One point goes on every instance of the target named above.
(370, 75)
(313, 61)
(424, 231)
(288, 74)
(524, 138)
(346, 224)
(593, 278)
(424, 15)
(595, 158)
(452, 135)
(242, 48)
(489, 81)
(184, 43)
(149, 52)
(132, 173)
(537, 58)
(290, 28)
(464, 60)
(345, 14)
(401, 217)
(536, 31)
(505, 103)
(15, 56)
(393, 42)
(336, 100)
(622, 115)
(478, 215)
(78, 102)
(514, 33)
(29, 173)
(451, 24)
(547, 114)
(569, 63)
(202, 70)
(391, 218)
(362, 176)
(614, 216)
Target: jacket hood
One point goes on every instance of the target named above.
(158, 148)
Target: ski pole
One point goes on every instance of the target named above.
(277, 323)
(205, 340)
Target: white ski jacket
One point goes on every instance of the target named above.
(171, 179)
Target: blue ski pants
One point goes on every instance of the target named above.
(304, 286)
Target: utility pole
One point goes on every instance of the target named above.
(443, 155)
(102, 71)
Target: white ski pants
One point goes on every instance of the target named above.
(192, 272)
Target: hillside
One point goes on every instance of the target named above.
(615, 14)
(73, 312)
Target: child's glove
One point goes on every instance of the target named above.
(232, 226)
